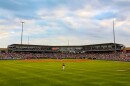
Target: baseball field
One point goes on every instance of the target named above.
(48, 72)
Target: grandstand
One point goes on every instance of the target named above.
(127, 50)
(95, 48)
(3, 50)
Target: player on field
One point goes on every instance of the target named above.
(63, 66)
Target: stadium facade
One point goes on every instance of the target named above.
(94, 48)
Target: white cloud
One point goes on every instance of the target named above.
(79, 24)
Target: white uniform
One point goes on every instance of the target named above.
(63, 66)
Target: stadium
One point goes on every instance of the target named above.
(64, 43)
(39, 65)
(95, 51)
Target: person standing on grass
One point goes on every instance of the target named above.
(63, 66)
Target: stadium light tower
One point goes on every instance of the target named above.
(114, 36)
(22, 33)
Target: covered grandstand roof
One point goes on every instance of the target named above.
(66, 45)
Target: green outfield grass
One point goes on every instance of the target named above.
(45, 73)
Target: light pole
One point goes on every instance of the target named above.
(114, 36)
(22, 33)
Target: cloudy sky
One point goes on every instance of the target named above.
(54, 22)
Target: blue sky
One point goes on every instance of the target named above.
(54, 22)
